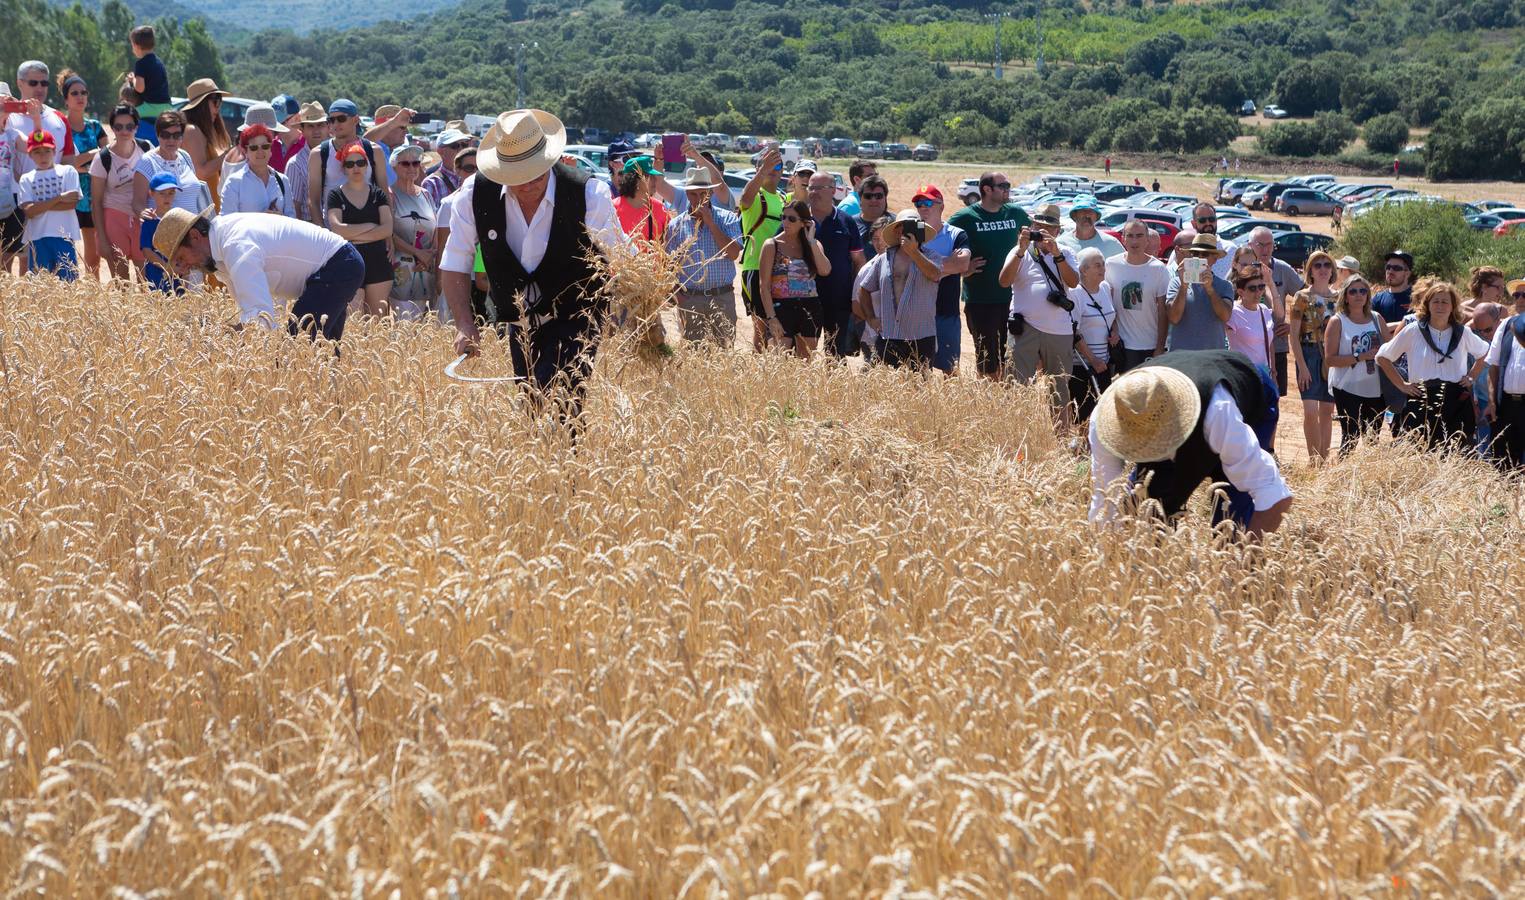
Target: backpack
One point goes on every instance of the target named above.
(143, 145)
(326, 147)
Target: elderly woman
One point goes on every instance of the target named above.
(413, 224)
(1350, 351)
(256, 187)
(1095, 317)
(1439, 383)
(206, 137)
(111, 177)
(88, 137)
(1311, 308)
(169, 158)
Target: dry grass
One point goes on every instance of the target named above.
(282, 624)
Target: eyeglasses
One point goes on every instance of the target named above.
(32, 82)
(923, 204)
(790, 218)
(1205, 218)
(123, 126)
(338, 120)
(1323, 264)
(408, 163)
(172, 135)
(876, 195)
(1395, 267)
(354, 164)
(258, 148)
(465, 167)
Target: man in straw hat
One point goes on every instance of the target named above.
(312, 121)
(709, 240)
(1200, 302)
(538, 222)
(1184, 418)
(1040, 273)
(264, 258)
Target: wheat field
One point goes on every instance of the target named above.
(275, 623)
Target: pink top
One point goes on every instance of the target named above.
(1253, 333)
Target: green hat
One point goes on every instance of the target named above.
(643, 164)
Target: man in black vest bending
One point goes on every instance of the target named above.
(1186, 417)
(538, 223)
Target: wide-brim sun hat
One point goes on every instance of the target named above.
(312, 114)
(1147, 414)
(262, 114)
(521, 145)
(199, 91)
(1514, 285)
(1085, 203)
(1047, 214)
(1348, 263)
(891, 232)
(174, 226)
(1206, 245)
(699, 178)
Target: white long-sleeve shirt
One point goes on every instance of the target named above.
(1514, 375)
(242, 192)
(262, 258)
(528, 240)
(1425, 364)
(1248, 467)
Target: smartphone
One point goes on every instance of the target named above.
(13, 106)
(1195, 266)
(673, 158)
(912, 230)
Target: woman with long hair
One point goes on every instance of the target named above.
(791, 262)
(1351, 340)
(111, 177)
(360, 212)
(1311, 308)
(1439, 383)
(89, 138)
(206, 137)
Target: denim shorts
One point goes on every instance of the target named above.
(1318, 387)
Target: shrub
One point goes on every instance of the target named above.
(1387, 133)
(1436, 233)
(1324, 136)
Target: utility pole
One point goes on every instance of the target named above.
(997, 17)
(519, 65)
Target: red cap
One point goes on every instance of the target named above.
(38, 140)
(929, 191)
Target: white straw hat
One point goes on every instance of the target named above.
(1147, 414)
(521, 146)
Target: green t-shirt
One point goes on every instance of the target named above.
(991, 237)
(771, 202)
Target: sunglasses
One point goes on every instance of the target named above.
(258, 148)
(354, 164)
(1323, 265)
(408, 163)
(1206, 218)
(923, 204)
(1003, 186)
(338, 120)
(79, 93)
(1393, 267)
(32, 82)
(876, 195)
(1518, 295)
(465, 167)
(1358, 291)
(1258, 286)
(123, 126)
(171, 135)
(791, 218)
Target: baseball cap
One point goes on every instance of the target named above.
(163, 181)
(642, 163)
(451, 136)
(412, 151)
(619, 149)
(344, 107)
(1084, 203)
(1349, 263)
(927, 192)
(1404, 255)
(805, 165)
(286, 106)
(40, 140)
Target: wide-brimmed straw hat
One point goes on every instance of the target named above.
(521, 146)
(1205, 245)
(1147, 414)
(1514, 285)
(699, 178)
(312, 114)
(262, 114)
(199, 90)
(174, 226)
(891, 232)
(1047, 214)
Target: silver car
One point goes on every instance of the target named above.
(1305, 202)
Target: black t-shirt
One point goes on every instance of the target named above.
(350, 214)
(155, 78)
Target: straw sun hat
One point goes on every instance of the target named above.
(1147, 414)
(199, 90)
(891, 232)
(521, 146)
(173, 227)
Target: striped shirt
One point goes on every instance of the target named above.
(705, 268)
(912, 315)
(296, 174)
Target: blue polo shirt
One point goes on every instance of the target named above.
(839, 237)
(945, 243)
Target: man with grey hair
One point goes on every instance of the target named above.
(32, 88)
(1288, 282)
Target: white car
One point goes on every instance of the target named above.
(1272, 111)
(969, 191)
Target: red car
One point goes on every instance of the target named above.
(1507, 228)
(1165, 230)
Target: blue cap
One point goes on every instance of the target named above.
(163, 180)
(619, 148)
(344, 107)
(286, 105)
(1084, 203)
(451, 136)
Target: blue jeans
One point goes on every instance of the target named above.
(1238, 505)
(949, 338)
(325, 298)
(53, 254)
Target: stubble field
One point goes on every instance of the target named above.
(279, 624)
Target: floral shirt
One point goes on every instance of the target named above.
(1315, 310)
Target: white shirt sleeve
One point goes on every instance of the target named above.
(1105, 469)
(244, 265)
(461, 249)
(1401, 343)
(602, 224)
(71, 180)
(1473, 343)
(1248, 467)
(288, 206)
(1496, 349)
(28, 195)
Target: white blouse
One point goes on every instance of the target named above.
(1425, 364)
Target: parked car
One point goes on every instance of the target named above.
(1491, 205)
(747, 143)
(1272, 111)
(1165, 230)
(1263, 197)
(1294, 247)
(1053, 179)
(597, 154)
(840, 146)
(1305, 201)
(870, 150)
(1161, 201)
(716, 141)
(1311, 180)
(896, 151)
(1247, 108)
(1239, 229)
(737, 182)
(1118, 217)
(1106, 192)
(1231, 189)
(924, 153)
(969, 191)
(1508, 228)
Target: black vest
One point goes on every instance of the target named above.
(567, 283)
(1173, 481)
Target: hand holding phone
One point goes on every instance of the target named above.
(15, 107)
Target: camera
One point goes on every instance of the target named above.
(913, 230)
(1037, 235)
(1060, 300)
